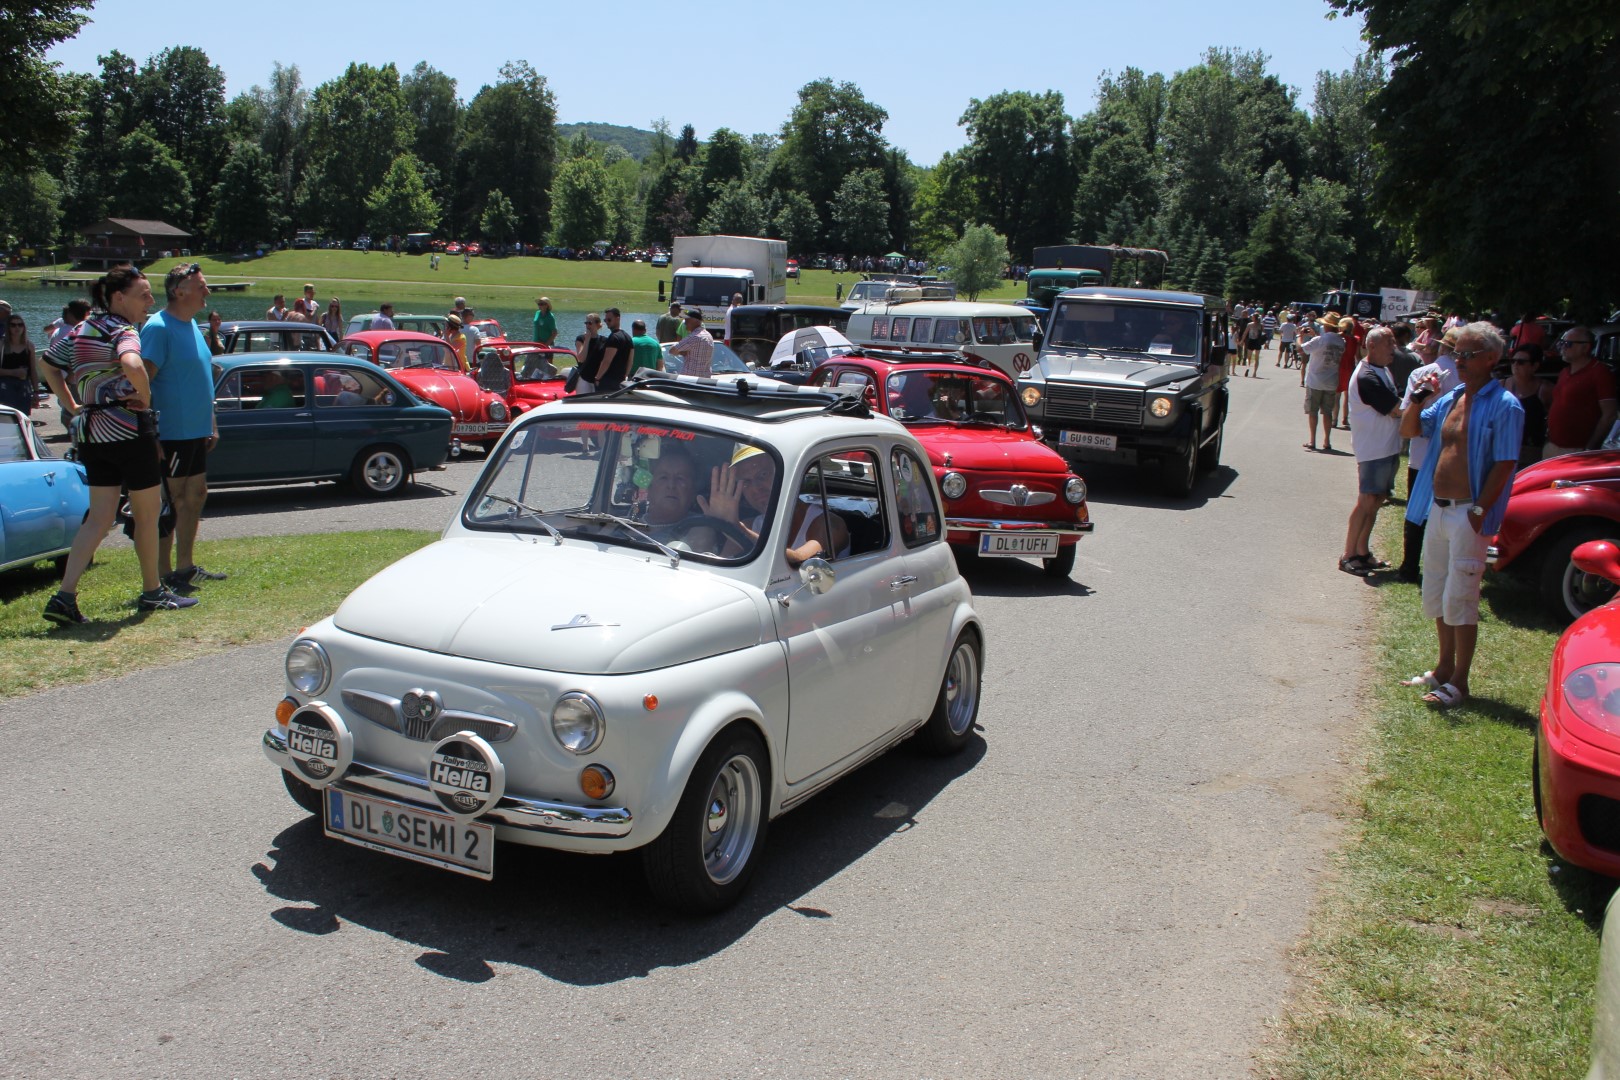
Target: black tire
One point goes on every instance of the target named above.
(1060, 565)
(302, 794)
(380, 471)
(706, 855)
(1209, 456)
(956, 709)
(1535, 779)
(1568, 591)
(1180, 474)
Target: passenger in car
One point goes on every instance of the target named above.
(740, 491)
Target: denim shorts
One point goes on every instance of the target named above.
(1377, 477)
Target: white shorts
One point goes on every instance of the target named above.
(1453, 566)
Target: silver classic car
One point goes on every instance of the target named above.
(663, 617)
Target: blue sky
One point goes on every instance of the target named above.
(629, 62)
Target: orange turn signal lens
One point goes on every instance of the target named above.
(285, 709)
(596, 782)
(650, 702)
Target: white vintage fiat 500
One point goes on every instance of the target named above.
(661, 618)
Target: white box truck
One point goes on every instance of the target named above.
(709, 270)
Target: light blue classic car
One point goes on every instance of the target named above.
(43, 499)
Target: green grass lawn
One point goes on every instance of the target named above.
(513, 280)
(1451, 942)
(277, 586)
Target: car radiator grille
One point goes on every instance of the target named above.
(1084, 404)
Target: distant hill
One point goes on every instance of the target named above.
(636, 142)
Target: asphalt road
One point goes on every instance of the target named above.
(1107, 884)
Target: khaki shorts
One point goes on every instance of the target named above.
(1319, 401)
(1453, 566)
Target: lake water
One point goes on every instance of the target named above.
(39, 305)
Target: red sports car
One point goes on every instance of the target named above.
(1556, 506)
(529, 375)
(429, 367)
(1576, 778)
(1007, 493)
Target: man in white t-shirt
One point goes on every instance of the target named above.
(1322, 355)
(1375, 435)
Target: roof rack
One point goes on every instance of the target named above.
(757, 398)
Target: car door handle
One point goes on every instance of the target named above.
(902, 581)
(50, 478)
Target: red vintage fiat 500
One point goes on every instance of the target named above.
(430, 369)
(526, 374)
(1007, 494)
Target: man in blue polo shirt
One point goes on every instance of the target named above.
(183, 396)
(1474, 431)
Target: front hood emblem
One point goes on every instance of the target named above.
(581, 620)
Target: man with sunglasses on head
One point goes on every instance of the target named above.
(183, 398)
(1583, 404)
(1474, 431)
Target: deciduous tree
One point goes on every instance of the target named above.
(977, 260)
(402, 203)
(512, 140)
(1018, 166)
(358, 127)
(832, 133)
(860, 213)
(38, 104)
(150, 182)
(579, 201)
(246, 208)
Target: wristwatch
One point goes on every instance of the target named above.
(1476, 510)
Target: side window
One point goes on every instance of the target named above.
(839, 508)
(950, 332)
(914, 495)
(880, 327)
(308, 341)
(348, 387)
(902, 328)
(921, 328)
(272, 388)
(859, 379)
(228, 396)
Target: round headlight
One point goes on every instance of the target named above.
(308, 669)
(497, 410)
(1075, 490)
(954, 485)
(1031, 396)
(577, 722)
(1160, 406)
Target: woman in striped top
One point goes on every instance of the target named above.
(97, 374)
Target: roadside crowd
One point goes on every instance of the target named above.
(1468, 425)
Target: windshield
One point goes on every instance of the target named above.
(629, 483)
(1141, 328)
(953, 397)
(533, 365)
(706, 291)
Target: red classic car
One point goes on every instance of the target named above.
(528, 375)
(1576, 768)
(429, 367)
(1007, 493)
(1556, 506)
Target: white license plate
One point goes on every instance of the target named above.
(1088, 440)
(411, 832)
(1041, 544)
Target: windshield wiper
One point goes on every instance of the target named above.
(632, 527)
(531, 512)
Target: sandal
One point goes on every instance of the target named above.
(1368, 563)
(1351, 566)
(1309, 446)
(1425, 679)
(1445, 696)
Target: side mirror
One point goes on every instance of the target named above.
(815, 574)
(818, 575)
(1037, 340)
(1597, 557)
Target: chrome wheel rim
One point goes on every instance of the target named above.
(383, 472)
(962, 689)
(1583, 591)
(731, 817)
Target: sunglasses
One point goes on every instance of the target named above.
(1564, 343)
(187, 271)
(16, 322)
(1466, 355)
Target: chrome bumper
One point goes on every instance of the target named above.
(529, 815)
(999, 525)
